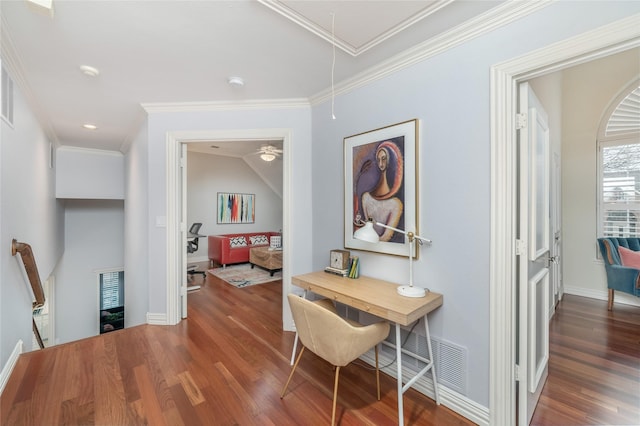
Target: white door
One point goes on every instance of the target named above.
(533, 253)
(183, 226)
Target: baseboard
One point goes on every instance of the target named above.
(449, 398)
(11, 363)
(619, 297)
(156, 319)
(197, 259)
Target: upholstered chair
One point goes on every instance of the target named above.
(620, 277)
(333, 338)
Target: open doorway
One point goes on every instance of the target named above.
(506, 246)
(176, 214)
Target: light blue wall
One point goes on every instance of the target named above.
(136, 231)
(449, 93)
(94, 241)
(31, 214)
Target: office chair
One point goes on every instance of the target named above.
(333, 338)
(192, 247)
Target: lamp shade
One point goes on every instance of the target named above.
(367, 233)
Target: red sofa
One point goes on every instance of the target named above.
(225, 249)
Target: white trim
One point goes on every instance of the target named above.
(9, 366)
(156, 319)
(609, 39)
(155, 107)
(173, 141)
(619, 297)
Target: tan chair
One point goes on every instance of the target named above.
(333, 338)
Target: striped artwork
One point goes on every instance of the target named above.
(236, 208)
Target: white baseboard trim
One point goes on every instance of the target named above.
(197, 259)
(619, 297)
(11, 363)
(449, 398)
(156, 319)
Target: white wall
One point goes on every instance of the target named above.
(94, 241)
(209, 174)
(89, 174)
(449, 93)
(136, 224)
(29, 213)
(588, 91)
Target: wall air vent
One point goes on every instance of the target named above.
(7, 97)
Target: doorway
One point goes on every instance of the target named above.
(505, 79)
(176, 225)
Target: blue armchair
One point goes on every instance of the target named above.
(620, 278)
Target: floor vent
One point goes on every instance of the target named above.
(7, 97)
(450, 359)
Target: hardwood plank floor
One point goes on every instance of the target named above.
(225, 365)
(594, 365)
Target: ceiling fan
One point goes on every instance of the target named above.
(269, 152)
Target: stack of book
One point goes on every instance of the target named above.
(336, 271)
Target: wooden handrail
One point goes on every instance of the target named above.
(29, 262)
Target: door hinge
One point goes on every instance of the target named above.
(517, 372)
(521, 120)
(521, 247)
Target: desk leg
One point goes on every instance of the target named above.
(433, 367)
(399, 377)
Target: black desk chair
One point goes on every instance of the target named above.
(192, 247)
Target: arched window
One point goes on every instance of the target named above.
(619, 166)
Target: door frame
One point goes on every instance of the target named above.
(175, 267)
(505, 77)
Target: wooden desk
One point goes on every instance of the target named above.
(381, 299)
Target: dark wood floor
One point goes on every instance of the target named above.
(227, 363)
(594, 365)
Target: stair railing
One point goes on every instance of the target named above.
(29, 261)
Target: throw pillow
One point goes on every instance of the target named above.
(237, 242)
(258, 240)
(629, 257)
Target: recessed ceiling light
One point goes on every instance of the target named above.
(236, 81)
(90, 71)
(90, 126)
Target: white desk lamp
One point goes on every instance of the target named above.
(367, 233)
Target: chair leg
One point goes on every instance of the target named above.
(291, 374)
(377, 372)
(335, 397)
(610, 307)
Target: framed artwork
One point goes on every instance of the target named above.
(236, 208)
(380, 182)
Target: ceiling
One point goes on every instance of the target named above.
(177, 52)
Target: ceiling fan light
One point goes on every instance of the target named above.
(267, 156)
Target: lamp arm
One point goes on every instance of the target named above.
(410, 234)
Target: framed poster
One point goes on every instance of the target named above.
(235, 208)
(380, 182)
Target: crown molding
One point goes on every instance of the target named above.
(156, 107)
(489, 21)
(279, 7)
